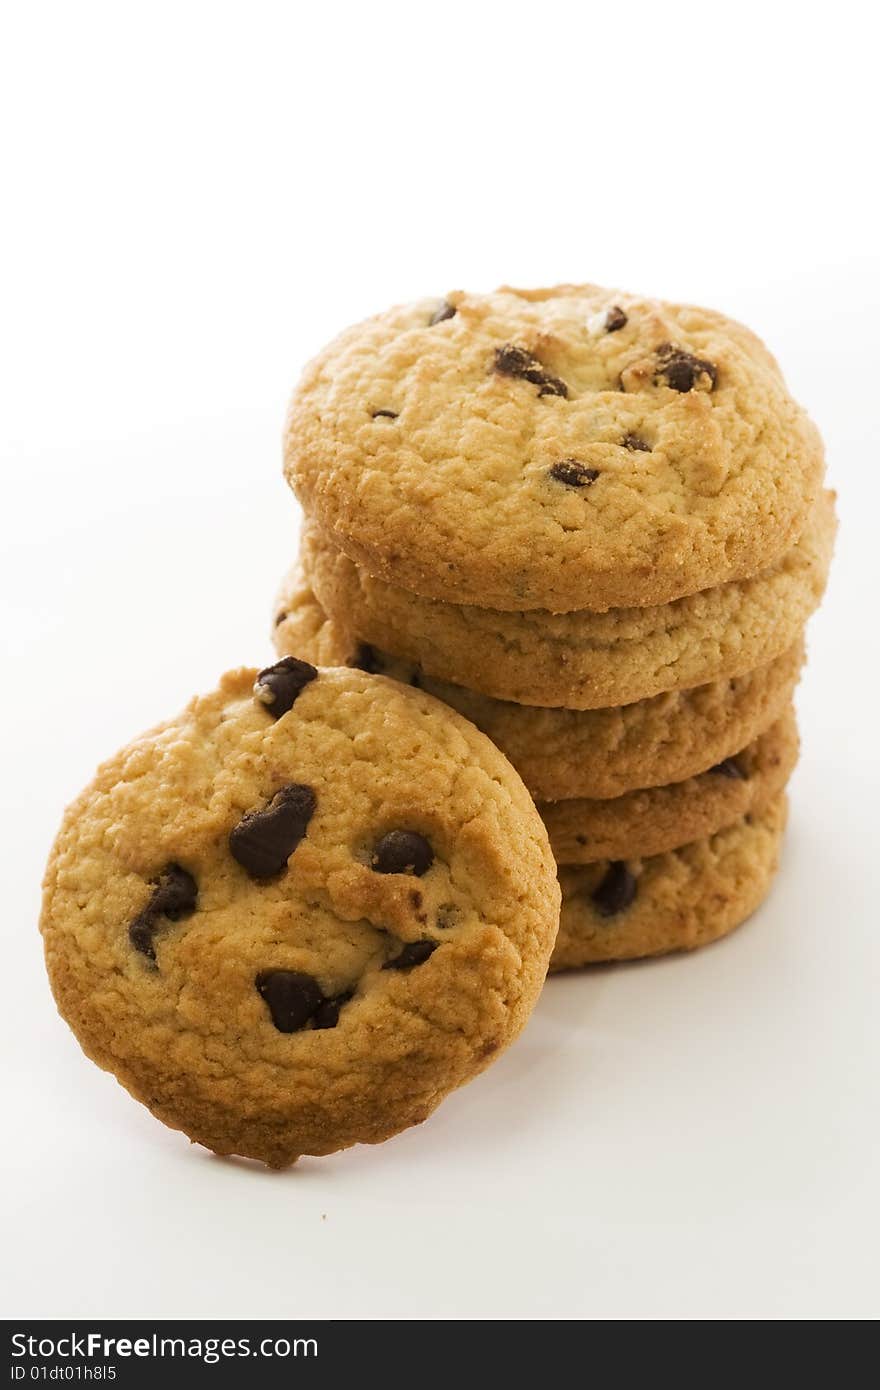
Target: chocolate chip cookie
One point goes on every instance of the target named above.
(619, 910)
(562, 754)
(553, 449)
(644, 823)
(295, 917)
(583, 660)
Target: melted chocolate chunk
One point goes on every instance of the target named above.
(278, 686)
(384, 414)
(413, 953)
(446, 311)
(402, 852)
(293, 998)
(140, 934)
(264, 840)
(729, 767)
(635, 444)
(615, 319)
(327, 1013)
(174, 897)
(682, 370)
(573, 474)
(616, 891)
(279, 618)
(511, 360)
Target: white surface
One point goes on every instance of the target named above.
(201, 196)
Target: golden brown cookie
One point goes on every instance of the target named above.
(295, 917)
(562, 754)
(583, 660)
(554, 449)
(649, 822)
(669, 902)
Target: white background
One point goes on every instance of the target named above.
(195, 198)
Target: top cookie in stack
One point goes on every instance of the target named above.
(595, 524)
(563, 449)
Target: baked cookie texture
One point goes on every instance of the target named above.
(295, 917)
(562, 754)
(644, 823)
(584, 660)
(553, 449)
(676, 901)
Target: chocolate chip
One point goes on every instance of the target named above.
(573, 474)
(279, 618)
(293, 998)
(366, 659)
(402, 852)
(635, 444)
(511, 360)
(327, 1013)
(729, 768)
(446, 311)
(278, 686)
(616, 891)
(140, 934)
(264, 840)
(413, 953)
(174, 896)
(384, 414)
(615, 319)
(682, 370)
(515, 361)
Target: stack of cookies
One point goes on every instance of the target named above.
(595, 525)
(298, 914)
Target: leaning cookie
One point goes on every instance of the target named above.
(671, 902)
(295, 917)
(649, 822)
(583, 660)
(562, 754)
(553, 449)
